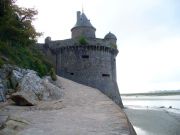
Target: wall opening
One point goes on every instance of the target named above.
(71, 73)
(85, 56)
(106, 75)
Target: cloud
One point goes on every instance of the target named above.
(150, 67)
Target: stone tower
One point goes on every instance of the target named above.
(91, 62)
(83, 27)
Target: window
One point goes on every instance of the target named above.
(85, 56)
(70, 73)
(106, 75)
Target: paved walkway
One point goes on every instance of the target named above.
(83, 111)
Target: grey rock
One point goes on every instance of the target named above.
(7, 131)
(31, 83)
(2, 95)
(10, 76)
(23, 99)
(3, 119)
(13, 125)
(51, 91)
(10, 90)
(2, 92)
(25, 87)
(30, 90)
(16, 76)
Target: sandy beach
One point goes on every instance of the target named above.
(151, 121)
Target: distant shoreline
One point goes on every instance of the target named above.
(152, 94)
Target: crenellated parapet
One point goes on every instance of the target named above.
(94, 43)
(102, 49)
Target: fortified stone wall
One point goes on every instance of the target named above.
(90, 65)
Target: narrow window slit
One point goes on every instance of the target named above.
(85, 56)
(106, 75)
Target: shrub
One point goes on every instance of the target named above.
(53, 74)
(1, 62)
(114, 46)
(82, 41)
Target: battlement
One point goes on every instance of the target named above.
(74, 42)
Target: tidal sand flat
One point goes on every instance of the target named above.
(154, 122)
(153, 115)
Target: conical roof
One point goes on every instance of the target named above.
(82, 21)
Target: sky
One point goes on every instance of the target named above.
(148, 33)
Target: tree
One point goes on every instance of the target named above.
(18, 37)
(5, 7)
(16, 23)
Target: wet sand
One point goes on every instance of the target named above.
(149, 121)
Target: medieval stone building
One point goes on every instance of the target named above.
(86, 59)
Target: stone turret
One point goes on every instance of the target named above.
(92, 63)
(83, 27)
(111, 37)
(47, 40)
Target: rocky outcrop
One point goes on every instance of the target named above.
(2, 92)
(25, 87)
(29, 90)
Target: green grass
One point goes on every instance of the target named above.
(25, 57)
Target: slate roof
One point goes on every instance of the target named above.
(110, 36)
(82, 20)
